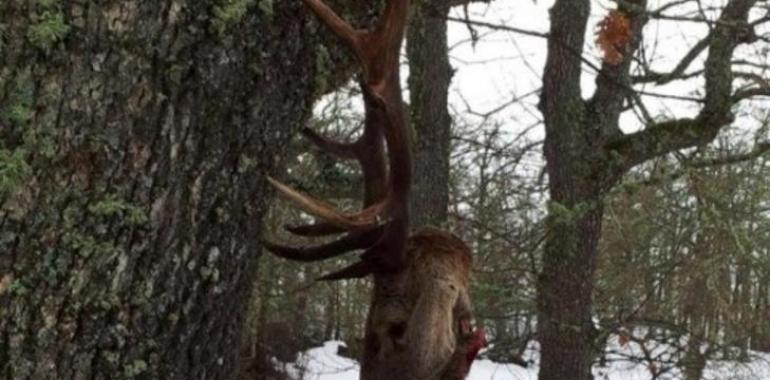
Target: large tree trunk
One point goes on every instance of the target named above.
(430, 75)
(134, 141)
(586, 153)
(565, 284)
(566, 331)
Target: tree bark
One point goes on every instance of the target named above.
(430, 75)
(565, 284)
(586, 154)
(138, 134)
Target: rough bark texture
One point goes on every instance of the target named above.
(574, 222)
(430, 75)
(134, 140)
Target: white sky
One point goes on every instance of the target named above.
(504, 65)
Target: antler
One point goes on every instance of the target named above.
(382, 227)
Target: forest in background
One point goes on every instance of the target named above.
(684, 251)
(136, 138)
(684, 254)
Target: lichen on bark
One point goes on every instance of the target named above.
(129, 220)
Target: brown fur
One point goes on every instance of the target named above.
(414, 325)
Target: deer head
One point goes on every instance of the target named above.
(419, 319)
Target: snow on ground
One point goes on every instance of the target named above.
(323, 363)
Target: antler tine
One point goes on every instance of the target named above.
(317, 229)
(367, 218)
(378, 49)
(369, 151)
(334, 22)
(383, 88)
(336, 148)
(392, 25)
(389, 253)
(378, 52)
(316, 253)
(385, 256)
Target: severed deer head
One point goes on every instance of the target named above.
(419, 322)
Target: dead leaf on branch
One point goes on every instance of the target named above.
(612, 36)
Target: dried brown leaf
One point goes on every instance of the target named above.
(612, 36)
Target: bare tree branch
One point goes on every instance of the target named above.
(671, 135)
(678, 71)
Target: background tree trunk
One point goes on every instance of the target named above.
(138, 134)
(565, 284)
(587, 154)
(430, 75)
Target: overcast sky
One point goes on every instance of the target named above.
(505, 65)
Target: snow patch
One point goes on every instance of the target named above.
(323, 363)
